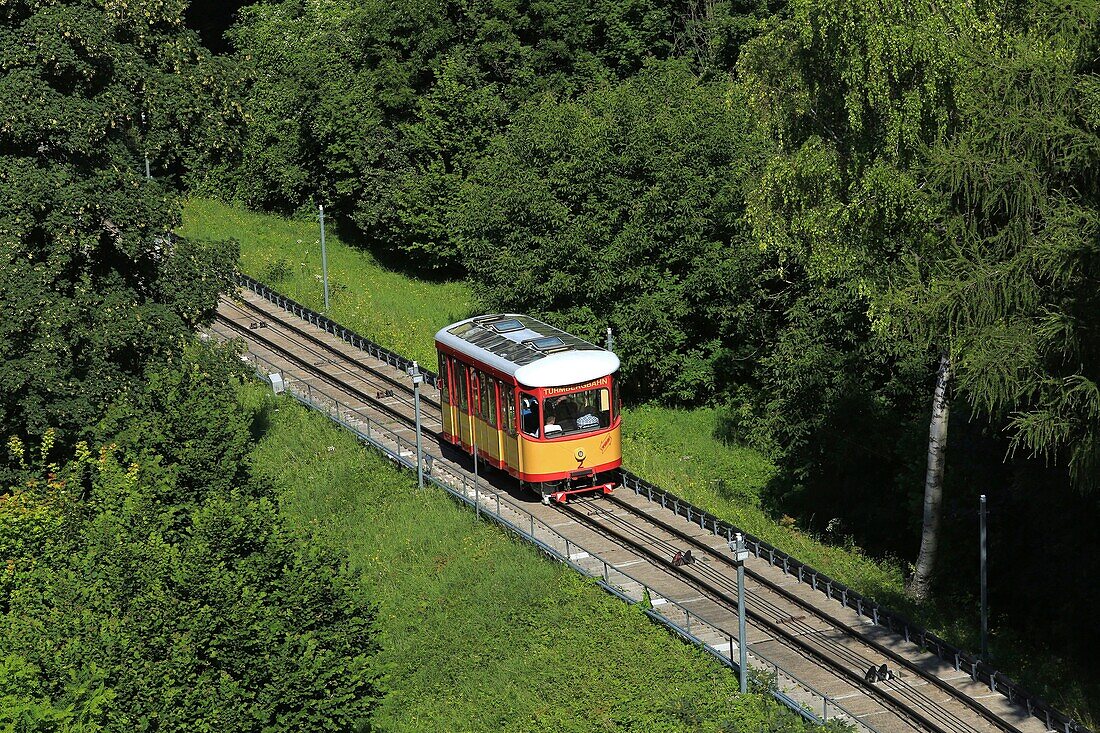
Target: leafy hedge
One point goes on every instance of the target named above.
(151, 584)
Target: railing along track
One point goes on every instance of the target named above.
(367, 398)
(710, 581)
(961, 660)
(305, 336)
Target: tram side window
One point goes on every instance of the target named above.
(509, 415)
(444, 392)
(529, 414)
(460, 386)
(498, 403)
(488, 399)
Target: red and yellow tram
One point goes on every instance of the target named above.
(534, 401)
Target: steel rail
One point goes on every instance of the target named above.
(321, 321)
(317, 371)
(329, 354)
(821, 614)
(240, 305)
(339, 383)
(329, 379)
(834, 590)
(899, 705)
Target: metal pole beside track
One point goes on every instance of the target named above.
(477, 490)
(985, 606)
(740, 555)
(324, 253)
(417, 378)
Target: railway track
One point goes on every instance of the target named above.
(768, 606)
(831, 649)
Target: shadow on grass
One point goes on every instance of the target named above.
(392, 259)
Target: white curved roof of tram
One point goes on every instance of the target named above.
(562, 368)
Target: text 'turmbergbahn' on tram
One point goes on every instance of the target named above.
(535, 401)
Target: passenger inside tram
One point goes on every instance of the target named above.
(580, 411)
(529, 415)
(564, 410)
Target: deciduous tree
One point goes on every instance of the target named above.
(91, 282)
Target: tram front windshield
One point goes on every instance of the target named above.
(579, 412)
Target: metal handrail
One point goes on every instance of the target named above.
(321, 321)
(837, 591)
(607, 577)
(979, 670)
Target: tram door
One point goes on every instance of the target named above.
(447, 395)
(463, 421)
(509, 441)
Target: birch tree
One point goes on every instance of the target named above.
(921, 583)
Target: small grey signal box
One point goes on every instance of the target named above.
(737, 546)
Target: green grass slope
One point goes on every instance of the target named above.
(675, 449)
(479, 632)
(392, 309)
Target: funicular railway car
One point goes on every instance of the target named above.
(534, 401)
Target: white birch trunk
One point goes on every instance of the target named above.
(920, 584)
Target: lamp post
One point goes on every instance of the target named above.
(324, 254)
(417, 378)
(740, 555)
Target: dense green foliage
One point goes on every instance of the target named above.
(382, 110)
(92, 284)
(152, 583)
(622, 209)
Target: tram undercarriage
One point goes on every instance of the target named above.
(579, 482)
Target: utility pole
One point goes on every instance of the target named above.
(740, 555)
(324, 254)
(985, 605)
(417, 378)
(609, 343)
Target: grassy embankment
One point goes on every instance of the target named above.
(675, 449)
(400, 313)
(478, 631)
